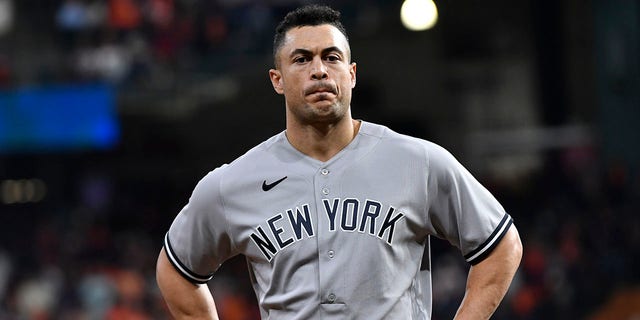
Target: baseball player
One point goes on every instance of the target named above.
(333, 214)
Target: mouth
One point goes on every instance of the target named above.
(320, 89)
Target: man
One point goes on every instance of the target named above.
(334, 215)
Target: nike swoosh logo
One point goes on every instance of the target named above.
(268, 186)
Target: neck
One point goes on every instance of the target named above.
(322, 141)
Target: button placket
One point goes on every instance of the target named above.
(325, 172)
(325, 184)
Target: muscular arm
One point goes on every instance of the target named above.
(489, 280)
(184, 299)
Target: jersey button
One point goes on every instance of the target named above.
(331, 297)
(331, 254)
(325, 191)
(324, 172)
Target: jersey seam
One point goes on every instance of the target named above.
(224, 213)
(371, 149)
(428, 204)
(378, 135)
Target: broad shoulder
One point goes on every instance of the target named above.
(259, 157)
(392, 141)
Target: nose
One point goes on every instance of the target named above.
(318, 70)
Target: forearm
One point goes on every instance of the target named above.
(489, 280)
(184, 299)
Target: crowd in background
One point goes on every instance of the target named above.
(135, 43)
(92, 255)
(124, 41)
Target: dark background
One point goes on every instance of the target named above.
(539, 99)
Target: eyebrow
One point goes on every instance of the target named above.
(308, 52)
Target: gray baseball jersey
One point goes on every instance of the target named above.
(342, 239)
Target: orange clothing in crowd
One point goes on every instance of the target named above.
(124, 14)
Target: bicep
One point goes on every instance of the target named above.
(503, 261)
(489, 280)
(185, 299)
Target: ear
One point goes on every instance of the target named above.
(352, 72)
(276, 80)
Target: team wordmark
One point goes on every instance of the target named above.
(346, 215)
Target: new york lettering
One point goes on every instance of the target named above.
(346, 215)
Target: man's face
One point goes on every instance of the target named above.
(314, 74)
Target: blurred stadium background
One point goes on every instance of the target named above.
(112, 110)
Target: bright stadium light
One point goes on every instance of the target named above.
(418, 15)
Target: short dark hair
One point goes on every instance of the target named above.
(310, 15)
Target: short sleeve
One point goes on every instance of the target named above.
(198, 241)
(461, 210)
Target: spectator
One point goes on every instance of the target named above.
(71, 19)
(124, 15)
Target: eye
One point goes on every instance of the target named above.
(332, 58)
(300, 60)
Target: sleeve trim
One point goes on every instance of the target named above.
(182, 269)
(485, 249)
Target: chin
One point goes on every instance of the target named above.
(325, 107)
(328, 114)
